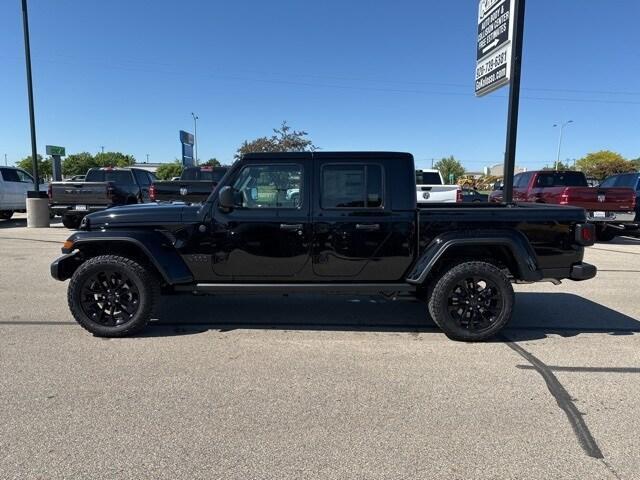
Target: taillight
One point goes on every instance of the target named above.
(50, 192)
(459, 196)
(152, 192)
(564, 198)
(585, 234)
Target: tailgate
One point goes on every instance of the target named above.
(437, 193)
(85, 193)
(601, 199)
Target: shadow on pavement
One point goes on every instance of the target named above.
(13, 223)
(536, 315)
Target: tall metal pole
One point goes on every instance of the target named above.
(5, 160)
(514, 100)
(560, 141)
(32, 115)
(195, 136)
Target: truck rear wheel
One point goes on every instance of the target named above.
(472, 301)
(71, 222)
(604, 234)
(113, 296)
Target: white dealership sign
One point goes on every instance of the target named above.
(493, 55)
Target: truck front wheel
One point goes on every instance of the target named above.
(113, 296)
(471, 301)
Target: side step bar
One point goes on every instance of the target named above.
(280, 288)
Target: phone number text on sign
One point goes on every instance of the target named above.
(493, 71)
(495, 61)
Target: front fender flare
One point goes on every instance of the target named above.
(513, 240)
(154, 245)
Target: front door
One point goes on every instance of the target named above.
(268, 233)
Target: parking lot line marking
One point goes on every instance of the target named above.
(614, 251)
(31, 240)
(564, 400)
(558, 368)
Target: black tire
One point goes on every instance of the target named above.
(6, 214)
(113, 296)
(72, 222)
(472, 301)
(604, 234)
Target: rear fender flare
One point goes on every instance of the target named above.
(514, 241)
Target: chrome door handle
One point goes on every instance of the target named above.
(368, 226)
(290, 226)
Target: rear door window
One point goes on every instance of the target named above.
(142, 177)
(561, 179)
(352, 186)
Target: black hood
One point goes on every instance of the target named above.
(144, 214)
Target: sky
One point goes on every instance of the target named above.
(356, 75)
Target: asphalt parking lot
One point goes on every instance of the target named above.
(319, 387)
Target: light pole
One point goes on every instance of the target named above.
(195, 136)
(102, 148)
(560, 140)
(32, 116)
(147, 158)
(5, 159)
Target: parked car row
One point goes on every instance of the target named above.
(612, 208)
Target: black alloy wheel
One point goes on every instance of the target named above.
(471, 301)
(113, 296)
(474, 303)
(110, 298)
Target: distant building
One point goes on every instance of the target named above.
(150, 167)
(497, 170)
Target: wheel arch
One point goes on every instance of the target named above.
(150, 248)
(510, 249)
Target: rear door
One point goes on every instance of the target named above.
(353, 223)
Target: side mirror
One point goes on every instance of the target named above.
(226, 198)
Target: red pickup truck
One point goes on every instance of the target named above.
(609, 208)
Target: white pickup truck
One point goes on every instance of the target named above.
(430, 188)
(14, 184)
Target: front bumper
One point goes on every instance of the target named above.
(63, 267)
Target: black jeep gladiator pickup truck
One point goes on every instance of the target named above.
(101, 188)
(195, 185)
(327, 223)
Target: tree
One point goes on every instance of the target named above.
(167, 171)
(604, 163)
(636, 163)
(114, 159)
(284, 139)
(212, 162)
(449, 166)
(45, 168)
(78, 164)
